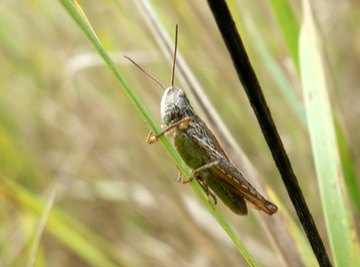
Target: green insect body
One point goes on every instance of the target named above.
(202, 152)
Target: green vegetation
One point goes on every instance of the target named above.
(80, 187)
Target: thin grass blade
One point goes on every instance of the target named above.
(79, 16)
(343, 242)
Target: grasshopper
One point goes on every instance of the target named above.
(202, 152)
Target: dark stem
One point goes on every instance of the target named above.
(253, 90)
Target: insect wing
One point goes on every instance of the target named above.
(231, 175)
(227, 172)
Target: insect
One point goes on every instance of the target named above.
(202, 152)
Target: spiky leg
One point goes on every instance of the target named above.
(202, 182)
(151, 138)
(200, 169)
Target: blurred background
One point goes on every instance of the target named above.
(72, 146)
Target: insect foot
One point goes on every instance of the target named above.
(151, 138)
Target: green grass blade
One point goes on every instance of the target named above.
(344, 244)
(290, 29)
(283, 83)
(75, 236)
(351, 180)
(288, 25)
(78, 15)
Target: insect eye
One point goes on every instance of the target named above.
(182, 93)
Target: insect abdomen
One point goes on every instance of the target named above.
(230, 197)
(191, 153)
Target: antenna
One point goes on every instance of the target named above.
(147, 73)
(174, 59)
